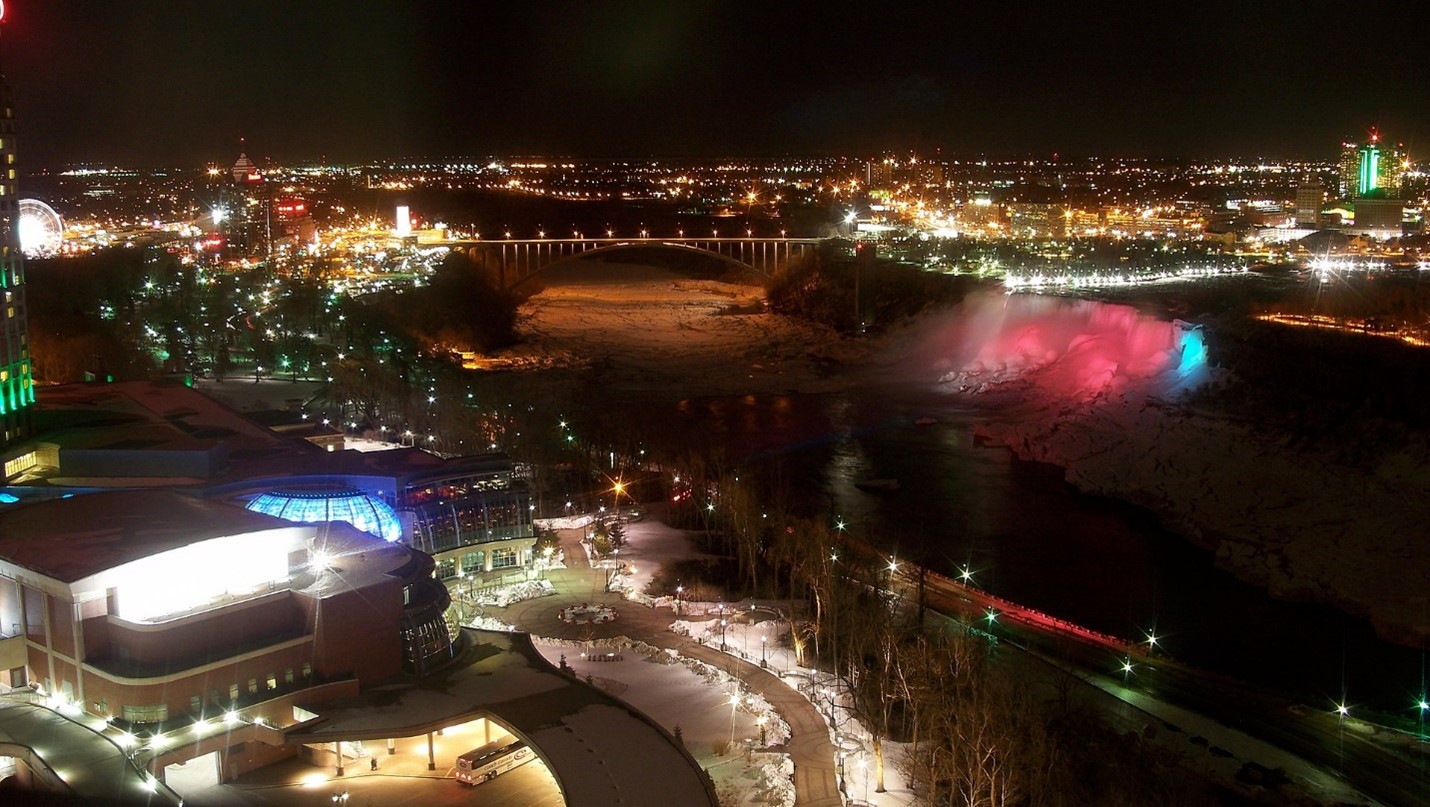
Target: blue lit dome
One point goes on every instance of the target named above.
(368, 513)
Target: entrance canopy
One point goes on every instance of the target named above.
(600, 750)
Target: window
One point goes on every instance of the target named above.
(307, 670)
(288, 676)
(146, 714)
(196, 705)
(503, 558)
(473, 562)
(253, 686)
(272, 681)
(233, 692)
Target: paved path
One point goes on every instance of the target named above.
(809, 745)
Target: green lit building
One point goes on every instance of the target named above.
(1370, 168)
(17, 392)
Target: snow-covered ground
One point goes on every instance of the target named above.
(645, 325)
(1292, 522)
(761, 633)
(1100, 390)
(720, 724)
(754, 634)
(1273, 516)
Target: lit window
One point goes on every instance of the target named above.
(146, 714)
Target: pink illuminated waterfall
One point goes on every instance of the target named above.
(1069, 347)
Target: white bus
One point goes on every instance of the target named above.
(492, 760)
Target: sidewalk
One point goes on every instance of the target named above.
(809, 747)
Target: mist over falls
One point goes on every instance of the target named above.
(1066, 348)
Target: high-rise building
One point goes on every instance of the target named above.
(1370, 168)
(1310, 196)
(1347, 168)
(17, 391)
(1368, 172)
(891, 172)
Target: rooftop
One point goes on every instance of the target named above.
(600, 750)
(73, 538)
(89, 764)
(140, 414)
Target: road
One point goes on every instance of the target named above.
(1338, 745)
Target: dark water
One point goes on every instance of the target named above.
(1032, 538)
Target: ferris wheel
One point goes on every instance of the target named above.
(41, 228)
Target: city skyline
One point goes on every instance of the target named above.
(183, 83)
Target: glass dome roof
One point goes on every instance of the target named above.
(368, 513)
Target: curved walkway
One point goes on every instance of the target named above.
(809, 746)
(74, 761)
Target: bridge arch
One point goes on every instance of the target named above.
(512, 262)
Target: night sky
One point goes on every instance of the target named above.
(161, 82)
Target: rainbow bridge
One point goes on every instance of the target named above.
(513, 260)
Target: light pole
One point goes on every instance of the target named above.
(734, 705)
(720, 610)
(1342, 712)
(763, 663)
(679, 595)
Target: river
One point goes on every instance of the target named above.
(1030, 537)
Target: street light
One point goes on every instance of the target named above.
(720, 610)
(679, 592)
(734, 704)
(763, 663)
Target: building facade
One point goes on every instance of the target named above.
(158, 611)
(1370, 167)
(17, 391)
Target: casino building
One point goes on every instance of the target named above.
(175, 570)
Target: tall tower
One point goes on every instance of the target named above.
(17, 391)
(1348, 168)
(1369, 176)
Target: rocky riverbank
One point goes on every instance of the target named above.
(1303, 526)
